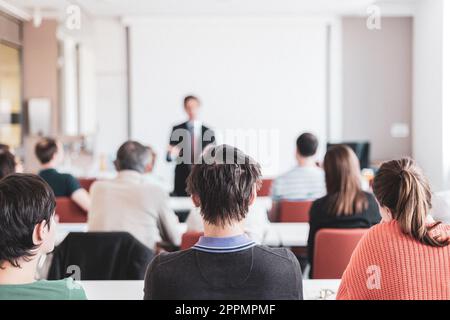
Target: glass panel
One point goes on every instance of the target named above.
(10, 96)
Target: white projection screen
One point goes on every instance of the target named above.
(261, 82)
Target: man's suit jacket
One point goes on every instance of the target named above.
(182, 169)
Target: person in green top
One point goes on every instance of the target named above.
(50, 153)
(27, 231)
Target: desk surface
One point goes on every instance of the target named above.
(278, 235)
(133, 290)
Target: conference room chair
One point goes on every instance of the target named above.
(100, 256)
(69, 212)
(86, 183)
(332, 251)
(189, 239)
(294, 211)
(264, 191)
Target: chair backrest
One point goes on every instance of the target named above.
(294, 211)
(332, 251)
(264, 191)
(69, 212)
(100, 256)
(189, 239)
(86, 183)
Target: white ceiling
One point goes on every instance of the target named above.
(122, 8)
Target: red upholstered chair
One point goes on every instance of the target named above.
(86, 183)
(189, 239)
(294, 211)
(69, 212)
(332, 251)
(265, 188)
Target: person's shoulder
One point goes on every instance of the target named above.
(373, 208)
(282, 254)
(41, 173)
(380, 241)
(152, 190)
(369, 196)
(67, 289)
(170, 257)
(67, 176)
(316, 170)
(282, 260)
(101, 184)
(153, 186)
(64, 176)
(287, 174)
(165, 260)
(382, 232)
(180, 126)
(320, 201)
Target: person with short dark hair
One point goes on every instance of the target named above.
(187, 142)
(50, 154)
(225, 263)
(132, 203)
(306, 181)
(8, 163)
(27, 232)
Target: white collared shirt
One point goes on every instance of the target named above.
(197, 124)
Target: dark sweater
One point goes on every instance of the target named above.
(258, 273)
(320, 218)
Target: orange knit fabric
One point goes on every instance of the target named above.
(389, 265)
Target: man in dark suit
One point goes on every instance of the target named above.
(187, 142)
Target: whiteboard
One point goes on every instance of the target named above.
(253, 75)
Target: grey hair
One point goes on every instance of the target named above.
(132, 155)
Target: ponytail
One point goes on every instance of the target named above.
(400, 186)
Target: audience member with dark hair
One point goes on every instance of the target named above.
(306, 181)
(8, 163)
(407, 256)
(51, 153)
(225, 263)
(133, 204)
(27, 231)
(346, 205)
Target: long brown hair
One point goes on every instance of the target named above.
(401, 187)
(342, 175)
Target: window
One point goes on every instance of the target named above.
(10, 96)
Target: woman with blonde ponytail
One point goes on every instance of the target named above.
(407, 256)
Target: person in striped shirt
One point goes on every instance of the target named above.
(306, 181)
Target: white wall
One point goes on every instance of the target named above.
(68, 82)
(446, 93)
(377, 84)
(430, 117)
(261, 74)
(109, 49)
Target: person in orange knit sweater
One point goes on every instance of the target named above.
(407, 255)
